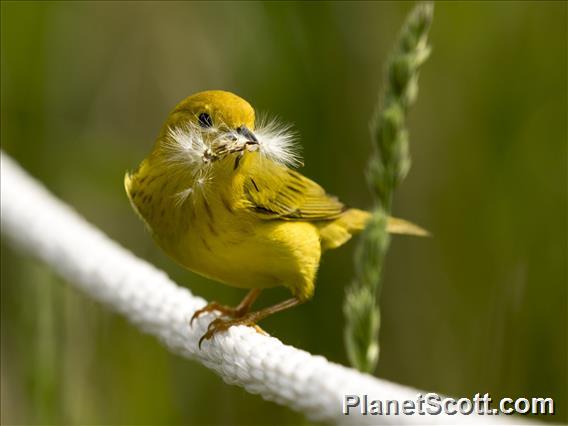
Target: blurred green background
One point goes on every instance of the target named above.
(480, 307)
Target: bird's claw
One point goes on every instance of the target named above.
(214, 323)
(218, 325)
(214, 306)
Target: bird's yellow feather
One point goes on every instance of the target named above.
(219, 202)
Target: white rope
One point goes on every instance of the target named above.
(43, 226)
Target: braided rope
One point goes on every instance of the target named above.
(39, 224)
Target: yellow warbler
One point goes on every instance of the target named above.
(219, 196)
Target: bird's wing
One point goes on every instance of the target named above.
(282, 193)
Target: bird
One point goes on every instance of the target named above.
(221, 194)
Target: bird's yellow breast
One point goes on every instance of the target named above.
(209, 231)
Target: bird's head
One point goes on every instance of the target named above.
(214, 125)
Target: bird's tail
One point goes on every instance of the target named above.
(336, 233)
(404, 227)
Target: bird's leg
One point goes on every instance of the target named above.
(249, 319)
(237, 312)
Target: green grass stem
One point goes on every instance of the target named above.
(388, 166)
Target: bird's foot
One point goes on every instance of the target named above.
(218, 325)
(214, 306)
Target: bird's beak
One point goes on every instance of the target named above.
(250, 137)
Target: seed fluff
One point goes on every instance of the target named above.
(190, 146)
(278, 142)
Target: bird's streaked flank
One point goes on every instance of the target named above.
(220, 197)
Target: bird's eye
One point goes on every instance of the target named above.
(205, 120)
